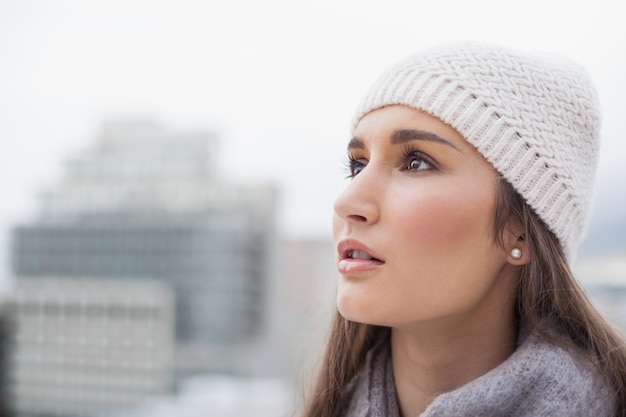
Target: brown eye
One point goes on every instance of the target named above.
(418, 163)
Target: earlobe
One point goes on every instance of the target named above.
(519, 254)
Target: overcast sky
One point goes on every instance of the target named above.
(278, 80)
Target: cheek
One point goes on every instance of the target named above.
(445, 253)
(443, 224)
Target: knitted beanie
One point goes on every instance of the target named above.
(534, 117)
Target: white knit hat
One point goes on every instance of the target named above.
(535, 118)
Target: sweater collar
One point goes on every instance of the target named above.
(539, 378)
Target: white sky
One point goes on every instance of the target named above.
(278, 79)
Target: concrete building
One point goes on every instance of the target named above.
(88, 346)
(6, 346)
(145, 205)
(299, 311)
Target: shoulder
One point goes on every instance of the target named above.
(561, 379)
(540, 378)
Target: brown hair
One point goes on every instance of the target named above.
(549, 301)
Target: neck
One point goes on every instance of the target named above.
(440, 357)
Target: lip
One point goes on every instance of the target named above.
(347, 264)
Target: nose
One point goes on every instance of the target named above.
(359, 201)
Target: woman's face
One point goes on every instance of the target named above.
(414, 227)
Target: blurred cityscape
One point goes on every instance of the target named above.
(147, 287)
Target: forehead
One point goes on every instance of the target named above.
(383, 122)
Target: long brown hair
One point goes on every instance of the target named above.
(549, 301)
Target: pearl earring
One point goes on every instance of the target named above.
(516, 253)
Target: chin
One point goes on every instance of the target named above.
(360, 314)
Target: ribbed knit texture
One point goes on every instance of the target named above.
(538, 379)
(534, 117)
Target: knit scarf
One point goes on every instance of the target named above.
(538, 379)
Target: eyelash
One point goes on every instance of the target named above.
(350, 165)
(409, 153)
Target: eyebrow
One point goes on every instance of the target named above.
(406, 135)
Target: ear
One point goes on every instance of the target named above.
(516, 247)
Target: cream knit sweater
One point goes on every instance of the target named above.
(538, 379)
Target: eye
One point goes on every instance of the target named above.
(418, 163)
(415, 160)
(354, 166)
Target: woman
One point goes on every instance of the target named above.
(471, 173)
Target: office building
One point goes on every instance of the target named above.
(88, 346)
(144, 205)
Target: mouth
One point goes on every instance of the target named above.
(356, 257)
(359, 254)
